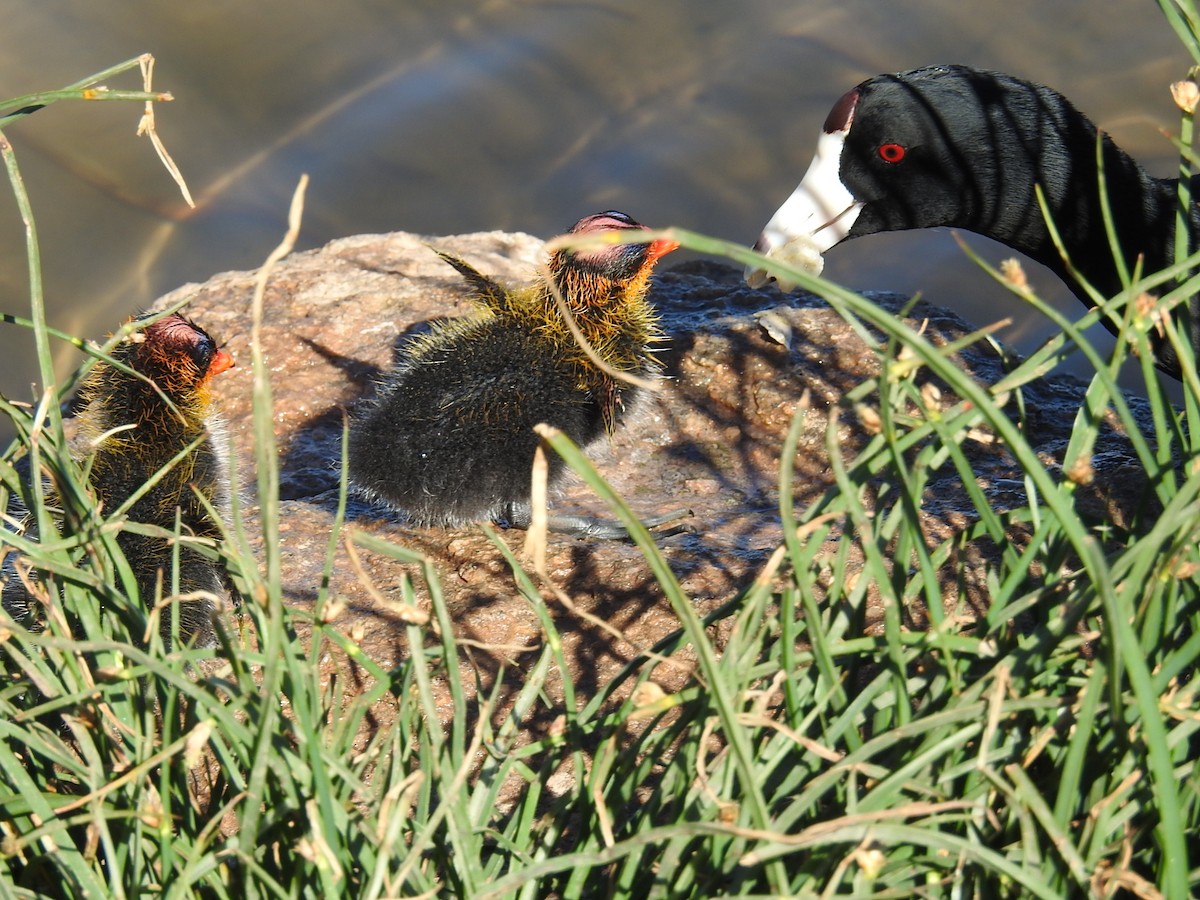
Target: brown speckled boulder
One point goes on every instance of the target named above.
(709, 440)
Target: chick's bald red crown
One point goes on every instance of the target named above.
(173, 338)
(619, 261)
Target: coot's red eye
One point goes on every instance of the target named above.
(891, 153)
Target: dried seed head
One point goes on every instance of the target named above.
(1081, 472)
(871, 861)
(10, 845)
(195, 743)
(1145, 304)
(647, 693)
(411, 614)
(333, 609)
(150, 809)
(1185, 93)
(869, 417)
(1014, 273)
(1185, 569)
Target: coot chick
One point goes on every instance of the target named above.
(449, 437)
(131, 427)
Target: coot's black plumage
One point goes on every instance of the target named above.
(449, 438)
(957, 146)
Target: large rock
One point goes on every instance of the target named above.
(710, 440)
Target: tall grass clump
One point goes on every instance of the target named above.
(1045, 748)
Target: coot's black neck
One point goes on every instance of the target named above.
(1142, 211)
(1079, 169)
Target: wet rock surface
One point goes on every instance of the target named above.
(709, 440)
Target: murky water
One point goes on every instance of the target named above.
(442, 117)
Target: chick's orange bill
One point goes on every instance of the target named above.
(221, 362)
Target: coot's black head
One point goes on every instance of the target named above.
(951, 145)
(943, 145)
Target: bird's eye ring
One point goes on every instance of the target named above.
(203, 353)
(891, 153)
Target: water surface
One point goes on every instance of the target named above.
(447, 117)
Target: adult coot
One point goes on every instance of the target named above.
(957, 146)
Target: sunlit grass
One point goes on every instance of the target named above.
(1047, 749)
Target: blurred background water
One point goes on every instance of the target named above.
(450, 116)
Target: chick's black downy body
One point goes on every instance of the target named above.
(450, 439)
